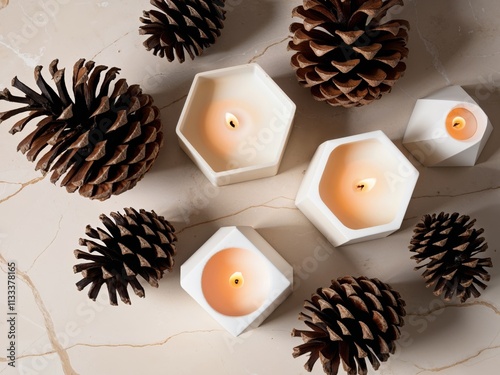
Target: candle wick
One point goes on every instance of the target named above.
(232, 124)
(361, 186)
(456, 124)
(236, 281)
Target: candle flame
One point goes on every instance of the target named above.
(459, 123)
(365, 185)
(232, 121)
(236, 280)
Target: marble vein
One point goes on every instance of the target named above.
(473, 12)
(111, 44)
(432, 49)
(485, 304)
(263, 205)
(462, 361)
(259, 55)
(46, 247)
(49, 324)
(458, 195)
(23, 186)
(28, 59)
(159, 343)
(174, 102)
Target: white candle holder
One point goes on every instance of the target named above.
(238, 278)
(235, 124)
(357, 188)
(447, 129)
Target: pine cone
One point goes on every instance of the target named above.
(345, 53)
(179, 25)
(449, 244)
(353, 319)
(103, 141)
(137, 243)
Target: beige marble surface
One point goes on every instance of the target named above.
(60, 331)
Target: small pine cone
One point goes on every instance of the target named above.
(351, 320)
(179, 25)
(137, 243)
(345, 53)
(449, 245)
(103, 141)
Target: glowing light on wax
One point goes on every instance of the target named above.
(236, 280)
(461, 124)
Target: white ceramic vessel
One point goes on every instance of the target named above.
(235, 124)
(357, 188)
(238, 278)
(447, 129)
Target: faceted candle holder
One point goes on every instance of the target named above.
(447, 129)
(235, 124)
(238, 278)
(357, 188)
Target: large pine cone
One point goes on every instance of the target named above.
(137, 243)
(345, 53)
(179, 25)
(353, 319)
(103, 141)
(449, 245)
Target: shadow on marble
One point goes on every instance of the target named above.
(244, 21)
(487, 218)
(433, 39)
(487, 97)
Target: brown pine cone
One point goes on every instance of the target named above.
(449, 245)
(345, 52)
(179, 25)
(136, 244)
(101, 141)
(353, 319)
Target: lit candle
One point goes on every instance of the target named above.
(236, 280)
(235, 124)
(227, 128)
(224, 288)
(237, 277)
(357, 188)
(447, 129)
(461, 124)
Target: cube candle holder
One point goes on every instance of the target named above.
(238, 278)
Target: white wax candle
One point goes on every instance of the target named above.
(235, 281)
(357, 184)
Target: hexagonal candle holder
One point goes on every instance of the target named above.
(235, 124)
(357, 188)
(238, 278)
(447, 129)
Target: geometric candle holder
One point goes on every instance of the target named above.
(235, 124)
(238, 278)
(357, 188)
(447, 129)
